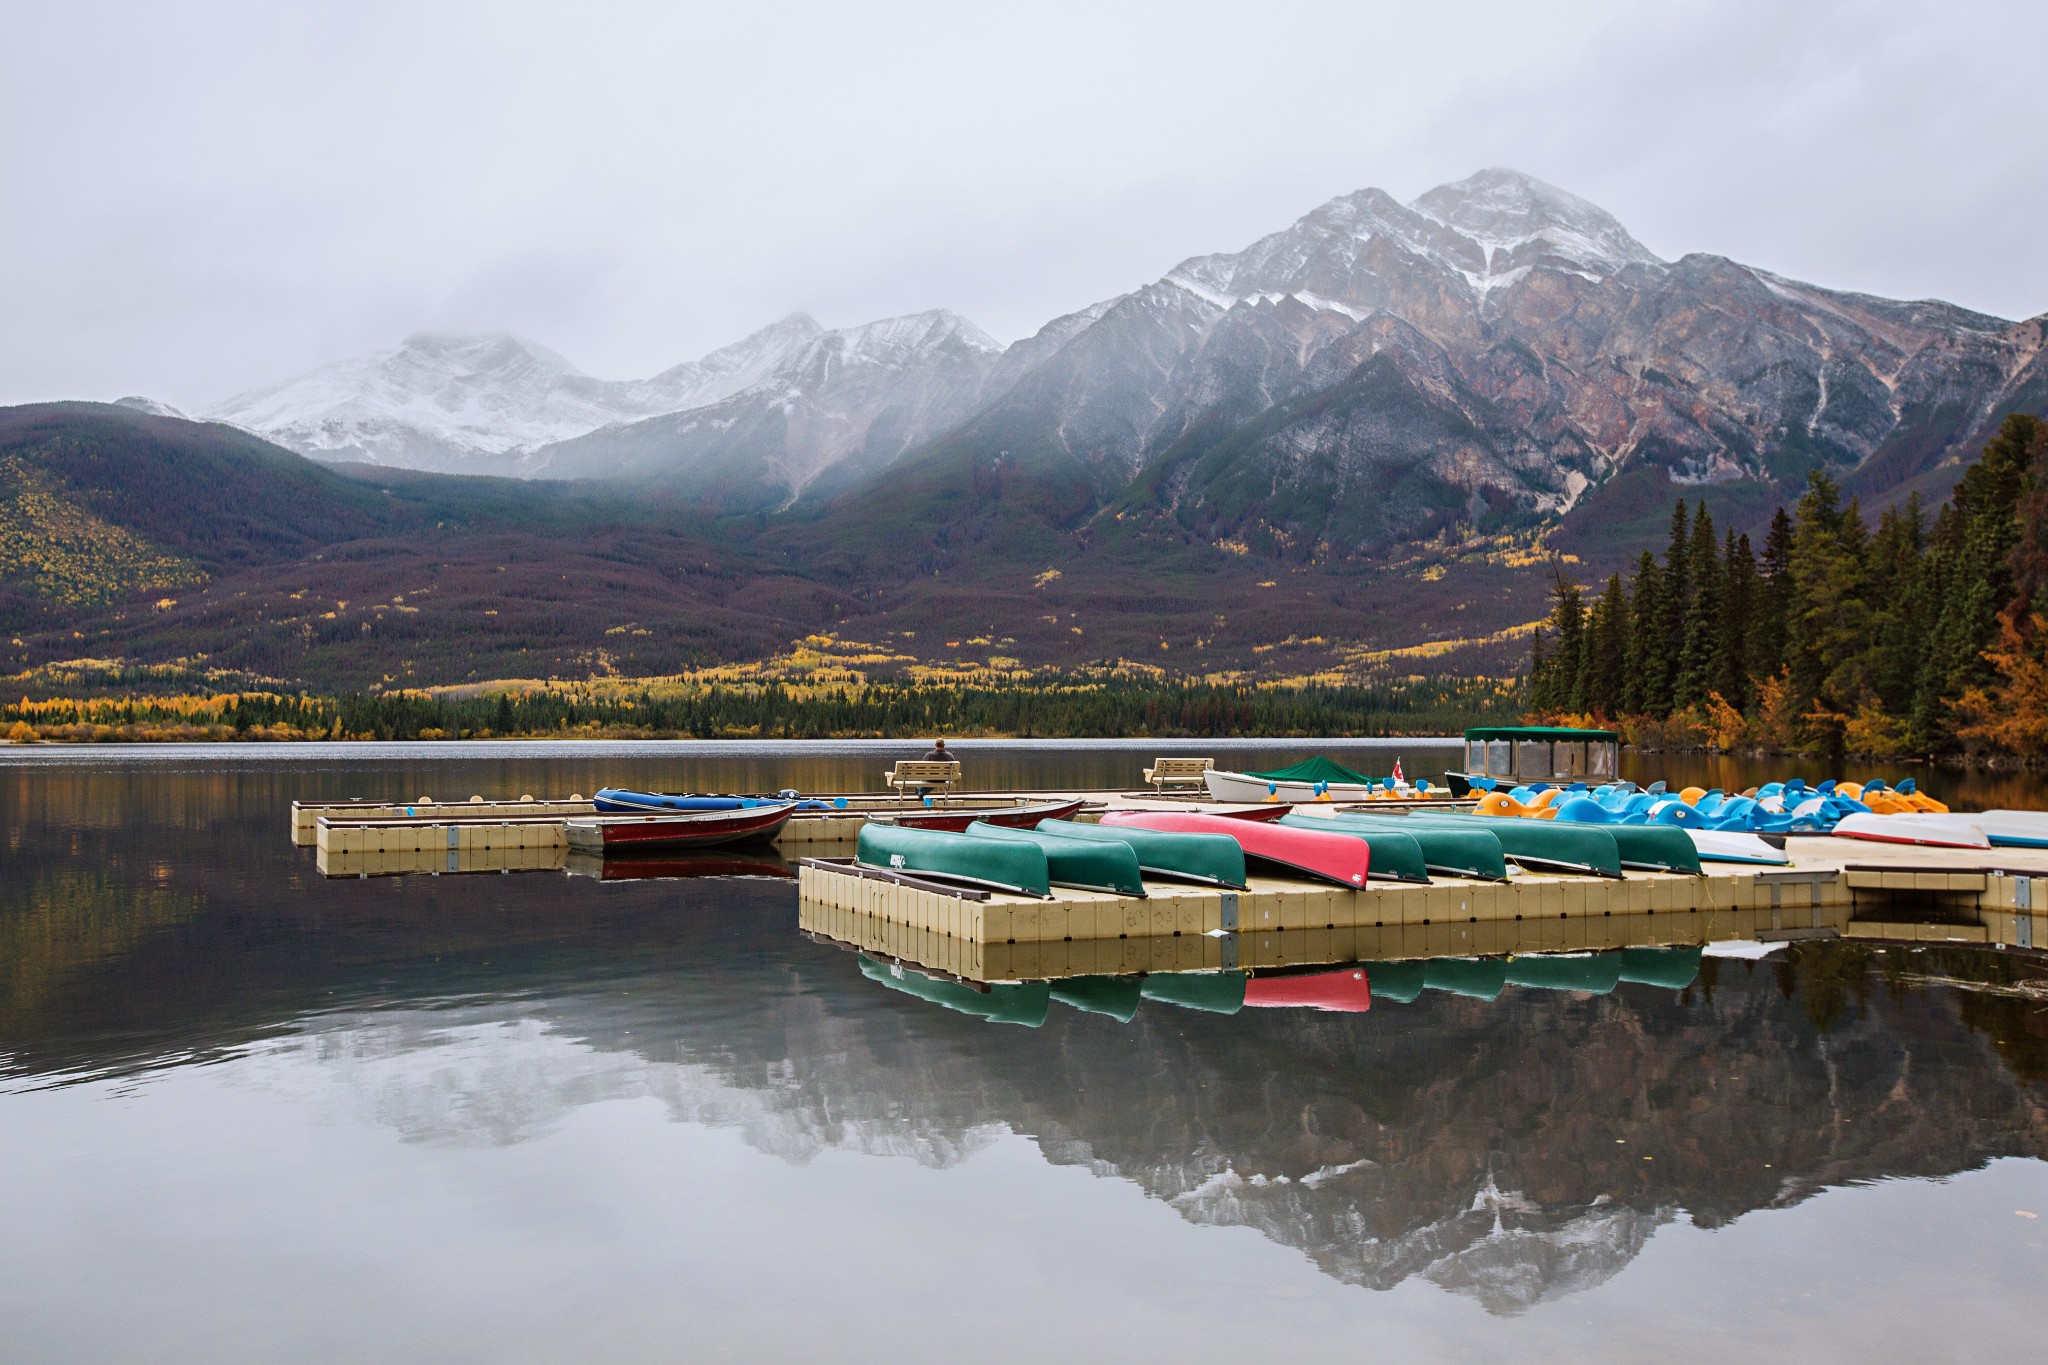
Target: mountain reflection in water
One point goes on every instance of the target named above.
(1513, 1150)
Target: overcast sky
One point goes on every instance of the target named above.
(205, 198)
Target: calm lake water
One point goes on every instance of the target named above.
(250, 1114)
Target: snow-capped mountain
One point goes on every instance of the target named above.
(1492, 353)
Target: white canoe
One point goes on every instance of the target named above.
(1243, 787)
(1727, 846)
(2014, 828)
(1933, 831)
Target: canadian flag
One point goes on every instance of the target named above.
(1398, 779)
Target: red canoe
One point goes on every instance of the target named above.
(1345, 992)
(956, 819)
(1341, 858)
(1272, 812)
(688, 829)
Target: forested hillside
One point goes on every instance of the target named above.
(1918, 636)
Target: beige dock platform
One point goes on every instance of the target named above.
(1834, 888)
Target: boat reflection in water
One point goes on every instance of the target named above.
(616, 867)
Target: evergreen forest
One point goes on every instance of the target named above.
(1918, 636)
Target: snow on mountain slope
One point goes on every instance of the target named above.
(482, 404)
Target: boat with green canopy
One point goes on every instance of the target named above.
(1510, 755)
(1314, 779)
(1211, 859)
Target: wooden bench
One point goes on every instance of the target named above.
(922, 775)
(1178, 772)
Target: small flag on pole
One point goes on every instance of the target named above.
(1398, 779)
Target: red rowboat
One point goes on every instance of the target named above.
(687, 829)
(1341, 858)
(1346, 991)
(957, 820)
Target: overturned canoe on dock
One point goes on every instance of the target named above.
(1211, 859)
(1545, 845)
(1447, 851)
(956, 820)
(1086, 864)
(684, 829)
(1344, 859)
(1001, 864)
(1396, 857)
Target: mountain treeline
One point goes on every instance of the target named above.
(1116, 708)
(1916, 637)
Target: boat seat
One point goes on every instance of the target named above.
(922, 775)
(1178, 772)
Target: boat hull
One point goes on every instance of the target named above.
(1930, 831)
(1229, 786)
(1445, 852)
(1337, 857)
(691, 829)
(1003, 864)
(1396, 857)
(1087, 864)
(1211, 859)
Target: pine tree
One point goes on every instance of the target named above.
(1646, 690)
(1826, 627)
(1971, 577)
(1738, 599)
(1771, 613)
(1555, 673)
(1701, 633)
(1605, 675)
(1897, 606)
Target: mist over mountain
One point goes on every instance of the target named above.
(1490, 356)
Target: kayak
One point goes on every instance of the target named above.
(1212, 859)
(2014, 828)
(1932, 831)
(1446, 852)
(1087, 864)
(1544, 845)
(1342, 858)
(1724, 846)
(1211, 992)
(679, 829)
(1003, 864)
(1017, 1003)
(957, 820)
(1396, 857)
(1115, 996)
(1341, 992)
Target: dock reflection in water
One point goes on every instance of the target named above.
(545, 1116)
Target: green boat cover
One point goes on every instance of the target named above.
(1216, 859)
(1007, 864)
(1216, 992)
(1317, 769)
(1671, 968)
(1015, 1003)
(1648, 848)
(1599, 973)
(1544, 843)
(1479, 977)
(1447, 851)
(1115, 996)
(1089, 864)
(1396, 857)
(1399, 982)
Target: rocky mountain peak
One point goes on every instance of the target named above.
(1519, 220)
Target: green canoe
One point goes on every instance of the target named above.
(1447, 851)
(1115, 996)
(1479, 977)
(1015, 1003)
(1399, 982)
(1006, 865)
(1396, 856)
(1544, 845)
(1671, 968)
(1647, 848)
(1088, 864)
(1598, 973)
(1213, 859)
(1216, 992)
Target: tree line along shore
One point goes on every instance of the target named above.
(1923, 637)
